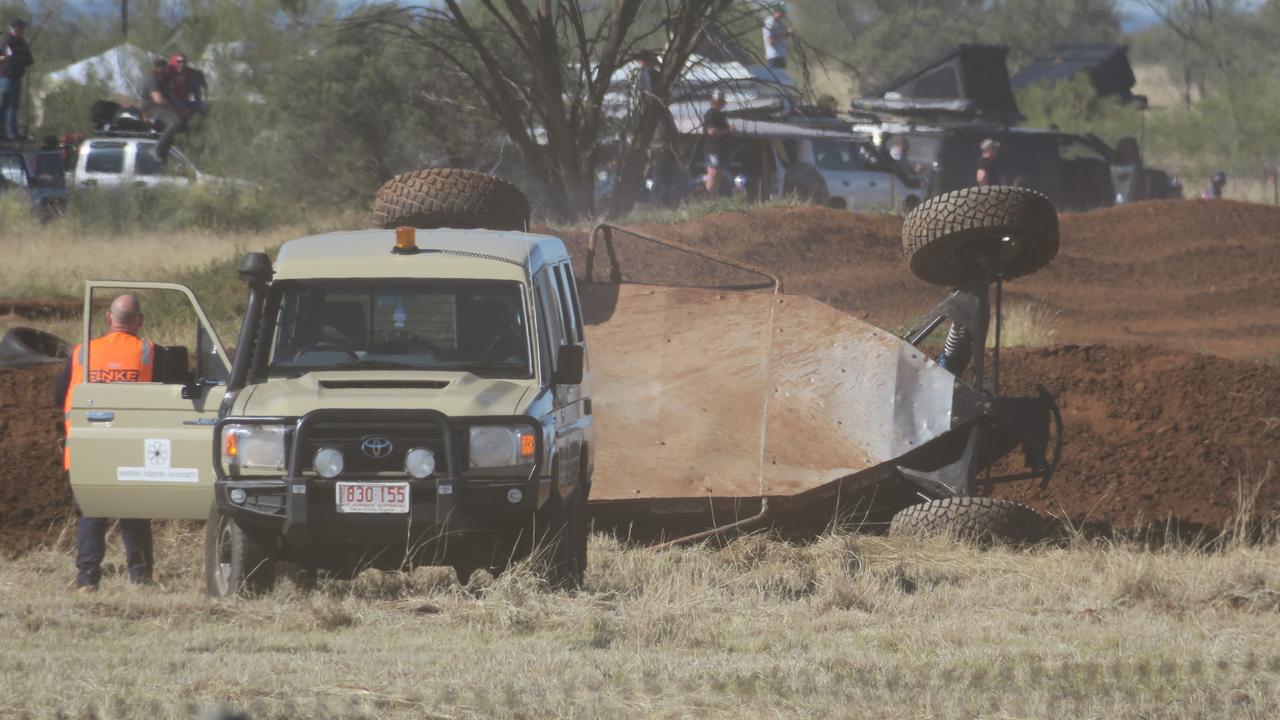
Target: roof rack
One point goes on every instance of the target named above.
(152, 134)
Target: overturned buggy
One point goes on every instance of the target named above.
(742, 407)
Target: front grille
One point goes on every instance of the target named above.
(348, 438)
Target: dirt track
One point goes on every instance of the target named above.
(1153, 433)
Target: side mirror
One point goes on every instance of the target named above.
(570, 365)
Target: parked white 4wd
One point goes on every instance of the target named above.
(119, 162)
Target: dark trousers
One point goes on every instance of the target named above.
(10, 98)
(778, 62)
(91, 547)
(173, 124)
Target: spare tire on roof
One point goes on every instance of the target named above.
(445, 197)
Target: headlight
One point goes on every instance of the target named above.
(501, 446)
(328, 462)
(420, 463)
(253, 447)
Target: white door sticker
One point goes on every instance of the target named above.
(156, 459)
(159, 453)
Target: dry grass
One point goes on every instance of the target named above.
(847, 626)
(54, 260)
(1026, 324)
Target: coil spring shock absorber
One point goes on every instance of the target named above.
(957, 350)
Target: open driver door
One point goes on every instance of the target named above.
(145, 450)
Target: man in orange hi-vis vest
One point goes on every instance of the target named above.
(118, 356)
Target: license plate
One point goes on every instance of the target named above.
(357, 497)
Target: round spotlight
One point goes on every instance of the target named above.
(420, 463)
(514, 496)
(328, 462)
(238, 496)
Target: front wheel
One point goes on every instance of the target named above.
(234, 563)
(561, 533)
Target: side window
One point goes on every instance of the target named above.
(572, 285)
(568, 308)
(553, 318)
(13, 171)
(145, 163)
(105, 157)
(1073, 149)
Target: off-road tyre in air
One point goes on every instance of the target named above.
(1004, 232)
(234, 563)
(443, 197)
(982, 520)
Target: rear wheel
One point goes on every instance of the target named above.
(998, 232)
(234, 563)
(982, 520)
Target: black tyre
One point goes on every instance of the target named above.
(450, 198)
(1006, 232)
(561, 540)
(24, 347)
(977, 519)
(234, 563)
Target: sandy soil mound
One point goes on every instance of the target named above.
(1192, 275)
(34, 495)
(1154, 435)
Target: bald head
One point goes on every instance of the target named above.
(125, 314)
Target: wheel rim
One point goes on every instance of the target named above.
(222, 556)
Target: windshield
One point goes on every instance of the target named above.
(474, 326)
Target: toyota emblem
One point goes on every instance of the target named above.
(376, 446)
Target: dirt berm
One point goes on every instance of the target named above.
(1153, 433)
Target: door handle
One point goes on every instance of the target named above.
(100, 416)
(872, 183)
(89, 182)
(139, 183)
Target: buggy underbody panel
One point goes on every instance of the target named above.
(708, 401)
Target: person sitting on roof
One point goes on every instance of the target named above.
(186, 85)
(159, 107)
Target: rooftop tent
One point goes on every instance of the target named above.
(1107, 66)
(121, 70)
(969, 80)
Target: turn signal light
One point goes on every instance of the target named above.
(233, 444)
(406, 239)
(528, 445)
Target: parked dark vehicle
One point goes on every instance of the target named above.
(46, 188)
(1071, 170)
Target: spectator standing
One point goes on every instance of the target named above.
(717, 131)
(990, 166)
(776, 35)
(118, 356)
(15, 58)
(899, 153)
(1216, 184)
